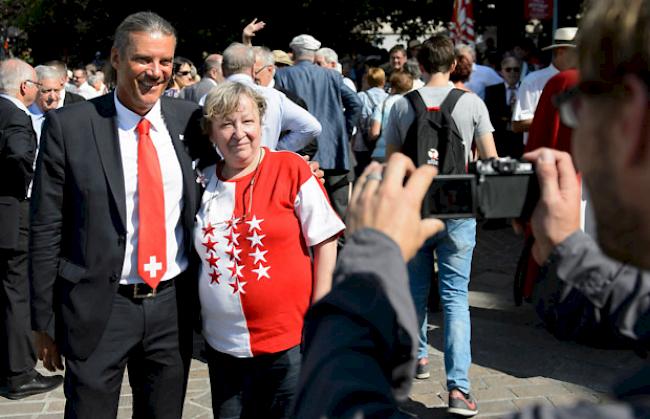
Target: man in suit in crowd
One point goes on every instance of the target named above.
(334, 105)
(111, 234)
(500, 100)
(212, 75)
(47, 99)
(18, 89)
(65, 97)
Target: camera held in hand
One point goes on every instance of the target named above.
(493, 188)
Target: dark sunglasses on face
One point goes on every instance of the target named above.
(511, 69)
(183, 73)
(569, 102)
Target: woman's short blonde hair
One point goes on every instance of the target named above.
(376, 77)
(223, 100)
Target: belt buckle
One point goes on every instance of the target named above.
(140, 296)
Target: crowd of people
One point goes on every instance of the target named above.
(136, 213)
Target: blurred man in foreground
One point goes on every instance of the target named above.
(609, 113)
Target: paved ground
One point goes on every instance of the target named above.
(516, 362)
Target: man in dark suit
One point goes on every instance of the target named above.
(212, 75)
(334, 105)
(18, 89)
(500, 99)
(66, 98)
(112, 216)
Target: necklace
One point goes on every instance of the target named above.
(250, 188)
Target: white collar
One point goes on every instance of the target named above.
(241, 78)
(128, 120)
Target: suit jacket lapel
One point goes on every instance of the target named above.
(107, 141)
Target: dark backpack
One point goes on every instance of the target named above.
(433, 138)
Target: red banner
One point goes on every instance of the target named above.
(539, 9)
(462, 22)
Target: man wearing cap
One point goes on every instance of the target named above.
(324, 92)
(563, 47)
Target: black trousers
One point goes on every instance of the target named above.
(17, 355)
(337, 185)
(249, 388)
(143, 336)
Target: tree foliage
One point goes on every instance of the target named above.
(76, 29)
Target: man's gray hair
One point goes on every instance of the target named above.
(466, 49)
(302, 53)
(12, 73)
(213, 61)
(98, 77)
(329, 54)
(47, 72)
(237, 58)
(265, 54)
(147, 22)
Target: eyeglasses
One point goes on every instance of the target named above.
(35, 83)
(259, 70)
(569, 103)
(183, 73)
(511, 69)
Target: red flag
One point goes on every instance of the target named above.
(462, 22)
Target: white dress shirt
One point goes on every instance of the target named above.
(529, 93)
(282, 115)
(172, 176)
(38, 117)
(86, 91)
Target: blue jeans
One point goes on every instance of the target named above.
(454, 247)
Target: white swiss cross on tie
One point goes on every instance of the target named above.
(152, 267)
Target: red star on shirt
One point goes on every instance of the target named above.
(238, 287)
(236, 270)
(214, 277)
(233, 253)
(212, 260)
(208, 230)
(232, 222)
(232, 238)
(209, 245)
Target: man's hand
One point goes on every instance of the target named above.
(47, 351)
(315, 169)
(249, 31)
(557, 214)
(390, 206)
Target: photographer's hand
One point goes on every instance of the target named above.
(557, 214)
(390, 206)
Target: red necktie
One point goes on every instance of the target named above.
(152, 247)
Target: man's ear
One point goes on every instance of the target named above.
(23, 88)
(634, 123)
(115, 58)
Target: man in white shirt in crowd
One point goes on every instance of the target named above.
(530, 91)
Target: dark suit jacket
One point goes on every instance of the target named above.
(78, 216)
(507, 142)
(326, 96)
(196, 91)
(17, 150)
(71, 98)
(360, 340)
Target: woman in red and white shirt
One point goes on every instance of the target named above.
(260, 214)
